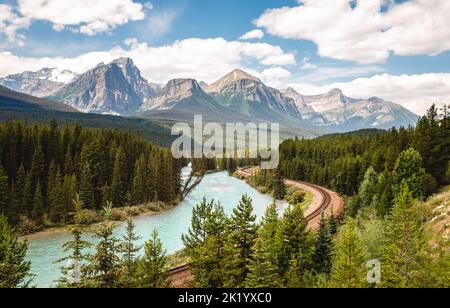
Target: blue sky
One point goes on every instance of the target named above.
(399, 50)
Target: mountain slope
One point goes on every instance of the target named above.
(182, 99)
(247, 95)
(40, 84)
(12, 100)
(114, 88)
(341, 113)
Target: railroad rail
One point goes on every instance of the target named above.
(324, 205)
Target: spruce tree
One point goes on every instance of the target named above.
(349, 263)
(243, 235)
(129, 251)
(38, 168)
(279, 185)
(293, 277)
(38, 205)
(152, 269)
(104, 268)
(207, 245)
(14, 270)
(295, 239)
(323, 248)
(87, 189)
(119, 186)
(405, 243)
(409, 169)
(263, 268)
(368, 188)
(4, 192)
(140, 180)
(72, 271)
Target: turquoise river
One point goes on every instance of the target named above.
(45, 249)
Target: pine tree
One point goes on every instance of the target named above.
(368, 188)
(38, 168)
(263, 268)
(14, 270)
(243, 235)
(139, 190)
(295, 239)
(23, 205)
(323, 250)
(86, 185)
(293, 277)
(4, 192)
(405, 243)
(119, 186)
(409, 169)
(207, 245)
(152, 269)
(104, 268)
(349, 263)
(279, 185)
(129, 251)
(38, 205)
(72, 272)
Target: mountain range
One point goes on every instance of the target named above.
(118, 88)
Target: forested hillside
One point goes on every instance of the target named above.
(42, 167)
(340, 162)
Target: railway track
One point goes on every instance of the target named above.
(183, 270)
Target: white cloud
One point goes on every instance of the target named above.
(202, 59)
(159, 23)
(306, 65)
(364, 33)
(91, 17)
(253, 35)
(11, 23)
(415, 92)
(275, 76)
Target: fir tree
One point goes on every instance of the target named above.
(129, 251)
(405, 243)
(14, 270)
(409, 169)
(38, 204)
(152, 268)
(207, 245)
(349, 263)
(4, 192)
(279, 185)
(72, 272)
(243, 235)
(139, 190)
(295, 239)
(87, 189)
(293, 278)
(323, 248)
(368, 188)
(119, 186)
(104, 268)
(263, 268)
(38, 168)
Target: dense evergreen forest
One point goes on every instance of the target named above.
(386, 177)
(343, 162)
(43, 167)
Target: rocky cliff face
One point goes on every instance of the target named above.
(114, 88)
(40, 84)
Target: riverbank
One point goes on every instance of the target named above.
(119, 215)
(291, 189)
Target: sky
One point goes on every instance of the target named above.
(396, 50)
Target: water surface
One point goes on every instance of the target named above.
(46, 249)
